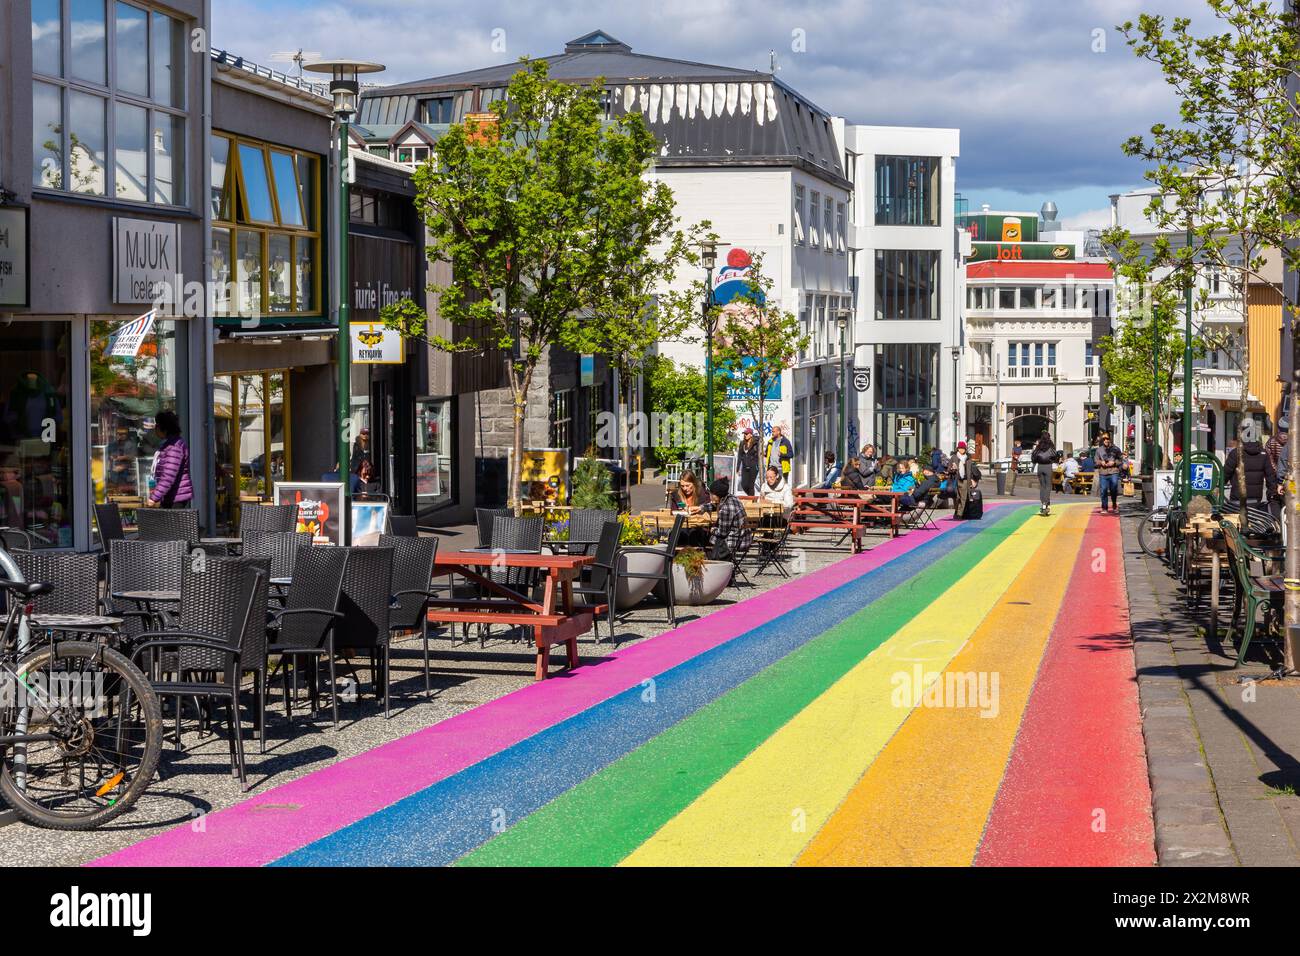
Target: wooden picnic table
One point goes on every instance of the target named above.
(755, 511)
(1082, 481)
(847, 510)
(555, 619)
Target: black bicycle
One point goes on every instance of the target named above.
(80, 727)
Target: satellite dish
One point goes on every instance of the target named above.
(298, 57)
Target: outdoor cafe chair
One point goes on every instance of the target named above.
(604, 575)
(168, 524)
(366, 606)
(280, 547)
(484, 517)
(922, 516)
(267, 518)
(403, 526)
(412, 573)
(136, 565)
(211, 660)
(305, 626)
(108, 519)
(585, 528)
(665, 572)
(769, 545)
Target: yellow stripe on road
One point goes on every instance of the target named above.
(768, 807)
(925, 799)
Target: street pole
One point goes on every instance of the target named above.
(844, 400)
(1154, 441)
(345, 332)
(708, 375)
(1056, 413)
(1187, 387)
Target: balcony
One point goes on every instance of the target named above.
(1031, 372)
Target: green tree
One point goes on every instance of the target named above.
(592, 487)
(1229, 170)
(676, 397)
(533, 211)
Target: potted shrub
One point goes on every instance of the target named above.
(632, 591)
(696, 579)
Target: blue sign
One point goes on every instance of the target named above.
(1202, 477)
(733, 280)
(742, 394)
(587, 369)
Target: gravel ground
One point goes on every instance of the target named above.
(198, 780)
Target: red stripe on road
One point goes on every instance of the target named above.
(1076, 791)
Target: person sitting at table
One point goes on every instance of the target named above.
(853, 478)
(687, 497)
(730, 530)
(1069, 473)
(904, 481)
(832, 474)
(926, 486)
(869, 464)
(776, 489)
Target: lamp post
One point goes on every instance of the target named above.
(345, 85)
(709, 259)
(1187, 381)
(1056, 409)
(842, 320)
(956, 418)
(1155, 396)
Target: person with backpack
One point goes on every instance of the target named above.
(965, 475)
(779, 451)
(1043, 455)
(1249, 461)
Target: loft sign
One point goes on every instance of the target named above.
(146, 258)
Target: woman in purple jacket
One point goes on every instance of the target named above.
(171, 466)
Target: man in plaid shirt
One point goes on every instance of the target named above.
(729, 531)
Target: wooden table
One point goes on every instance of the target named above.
(848, 510)
(554, 620)
(1082, 481)
(663, 516)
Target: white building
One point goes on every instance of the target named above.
(906, 253)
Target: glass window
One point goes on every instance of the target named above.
(828, 223)
(47, 37)
(907, 284)
(307, 180)
(286, 189)
(841, 240)
(907, 190)
(1050, 298)
(130, 152)
(279, 273)
(304, 286)
(87, 144)
(126, 395)
(89, 55)
(248, 273)
(47, 136)
(1028, 297)
(257, 191)
(36, 431)
(220, 188)
(168, 61)
(814, 234)
(131, 49)
(220, 262)
(1006, 298)
(798, 215)
(169, 159)
(433, 454)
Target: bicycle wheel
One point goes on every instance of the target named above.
(105, 730)
(1153, 536)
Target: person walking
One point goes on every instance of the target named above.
(747, 461)
(171, 466)
(1016, 451)
(1275, 448)
(1259, 477)
(965, 474)
(1107, 462)
(779, 451)
(1042, 456)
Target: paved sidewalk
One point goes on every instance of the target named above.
(1220, 746)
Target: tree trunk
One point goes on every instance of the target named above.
(1291, 653)
(624, 402)
(517, 460)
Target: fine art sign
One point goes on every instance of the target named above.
(146, 257)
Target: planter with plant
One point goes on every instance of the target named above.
(697, 579)
(632, 591)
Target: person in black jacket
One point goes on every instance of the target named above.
(747, 461)
(1043, 455)
(965, 474)
(1260, 476)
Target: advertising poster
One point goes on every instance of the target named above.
(369, 521)
(320, 506)
(545, 476)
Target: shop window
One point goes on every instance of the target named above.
(433, 454)
(35, 431)
(79, 87)
(126, 395)
(251, 415)
(264, 202)
(907, 190)
(907, 284)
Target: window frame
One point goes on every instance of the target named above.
(111, 95)
(800, 196)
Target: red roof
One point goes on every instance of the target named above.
(1045, 269)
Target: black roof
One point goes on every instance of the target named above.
(700, 112)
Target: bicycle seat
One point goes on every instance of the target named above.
(27, 588)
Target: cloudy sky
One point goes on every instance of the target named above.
(1044, 91)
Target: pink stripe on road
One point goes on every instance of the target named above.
(257, 831)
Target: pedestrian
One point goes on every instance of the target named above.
(1248, 464)
(172, 487)
(832, 473)
(1042, 456)
(776, 489)
(1016, 451)
(747, 461)
(965, 474)
(938, 461)
(1276, 450)
(1108, 460)
(779, 451)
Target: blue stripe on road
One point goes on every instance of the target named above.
(441, 823)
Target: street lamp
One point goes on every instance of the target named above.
(842, 320)
(345, 86)
(1056, 409)
(956, 419)
(708, 259)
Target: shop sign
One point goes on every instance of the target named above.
(14, 254)
(862, 378)
(587, 369)
(320, 508)
(373, 344)
(147, 260)
(1021, 252)
(906, 426)
(127, 340)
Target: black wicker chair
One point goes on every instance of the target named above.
(484, 518)
(108, 519)
(226, 599)
(267, 518)
(76, 586)
(168, 524)
(366, 605)
(585, 528)
(603, 580)
(280, 547)
(15, 539)
(403, 526)
(142, 566)
(412, 573)
(664, 574)
(304, 627)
